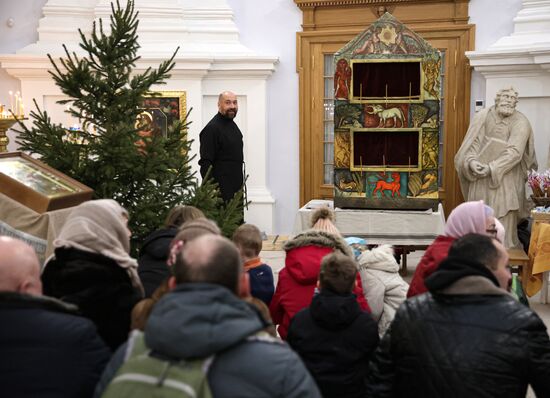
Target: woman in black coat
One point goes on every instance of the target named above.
(152, 267)
(92, 269)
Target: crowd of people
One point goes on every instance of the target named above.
(200, 315)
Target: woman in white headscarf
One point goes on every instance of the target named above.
(91, 267)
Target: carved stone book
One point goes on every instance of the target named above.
(493, 149)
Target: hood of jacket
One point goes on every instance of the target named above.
(380, 258)
(453, 269)
(334, 311)
(157, 245)
(306, 250)
(197, 320)
(21, 300)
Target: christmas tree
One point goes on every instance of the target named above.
(148, 174)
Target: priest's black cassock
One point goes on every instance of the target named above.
(221, 146)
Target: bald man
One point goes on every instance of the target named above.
(19, 267)
(46, 349)
(203, 316)
(221, 147)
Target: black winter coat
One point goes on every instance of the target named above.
(335, 339)
(221, 146)
(46, 350)
(467, 346)
(96, 284)
(152, 267)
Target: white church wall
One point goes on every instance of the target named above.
(489, 31)
(18, 28)
(211, 59)
(267, 27)
(519, 57)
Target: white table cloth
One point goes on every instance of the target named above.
(396, 227)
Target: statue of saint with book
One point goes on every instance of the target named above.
(493, 161)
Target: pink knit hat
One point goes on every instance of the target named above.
(322, 219)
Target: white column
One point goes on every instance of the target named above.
(60, 24)
(522, 60)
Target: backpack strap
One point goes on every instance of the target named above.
(136, 345)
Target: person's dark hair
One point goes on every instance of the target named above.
(209, 259)
(338, 273)
(181, 214)
(476, 247)
(248, 239)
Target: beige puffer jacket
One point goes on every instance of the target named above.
(383, 287)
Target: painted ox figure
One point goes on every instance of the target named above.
(394, 114)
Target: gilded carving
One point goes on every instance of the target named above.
(431, 81)
(430, 150)
(342, 149)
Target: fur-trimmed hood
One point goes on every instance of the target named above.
(305, 252)
(313, 237)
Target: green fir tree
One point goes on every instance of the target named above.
(146, 175)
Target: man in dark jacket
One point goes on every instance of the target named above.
(46, 349)
(466, 337)
(334, 338)
(203, 316)
(221, 146)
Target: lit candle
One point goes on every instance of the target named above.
(11, 100)
(17, 102)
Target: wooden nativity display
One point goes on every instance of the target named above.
(387, 85)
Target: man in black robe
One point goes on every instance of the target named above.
(221, 146)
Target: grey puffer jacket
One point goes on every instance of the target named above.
(200, 320)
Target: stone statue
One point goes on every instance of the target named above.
(494, 159)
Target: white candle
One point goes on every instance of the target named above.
(11, 100)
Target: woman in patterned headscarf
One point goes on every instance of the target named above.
(91, 267)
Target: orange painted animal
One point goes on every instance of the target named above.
(393, 186)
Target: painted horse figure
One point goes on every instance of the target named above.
(393, 186)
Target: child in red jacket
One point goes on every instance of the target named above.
(298, 279)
